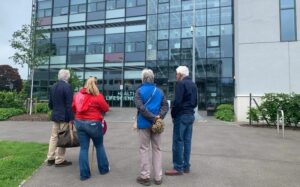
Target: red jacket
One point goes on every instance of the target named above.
(88, 107)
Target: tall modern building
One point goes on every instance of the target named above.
(115, 39)
(241, 46)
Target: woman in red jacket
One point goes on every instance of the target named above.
(88, 106)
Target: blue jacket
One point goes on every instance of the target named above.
(157, 105)
(185, 97)
(60, 102)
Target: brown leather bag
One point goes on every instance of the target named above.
(67, 137)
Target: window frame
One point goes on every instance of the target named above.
(295, 21)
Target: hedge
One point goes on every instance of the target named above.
(6, 113)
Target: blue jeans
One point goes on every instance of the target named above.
(87, 130)
(182, 141)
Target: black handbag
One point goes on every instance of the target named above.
(67, 137)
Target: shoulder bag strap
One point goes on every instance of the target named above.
(150, 97)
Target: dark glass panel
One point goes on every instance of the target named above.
(61, 3)
(95, 16)
(135, 56)
(136, 11)
(227, 67)
(162, 44)
(287, 23)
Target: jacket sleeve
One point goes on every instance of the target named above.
(104, 107)
(68, 100)
(164, 108)
(179, 91)
(141, 107)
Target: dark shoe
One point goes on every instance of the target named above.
(105, 172)
(172, 172)
(50, 162)
(158, 182)
(63, 164)
(84, 178)
(145, 182)
(186, 171)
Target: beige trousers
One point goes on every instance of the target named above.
(146, 136)
(56, 153)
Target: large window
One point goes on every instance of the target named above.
(95, 41)
(96, 10)
(287, 20)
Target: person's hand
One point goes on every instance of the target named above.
(157, 117)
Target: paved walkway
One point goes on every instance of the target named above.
(223, 154)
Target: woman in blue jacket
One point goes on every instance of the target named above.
(151, 105)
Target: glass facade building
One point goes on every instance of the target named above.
(114, 40)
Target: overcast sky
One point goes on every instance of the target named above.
(13, 14)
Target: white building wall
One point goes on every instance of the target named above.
(263, 64)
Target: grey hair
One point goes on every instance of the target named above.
(147, 75)
(183, 70)
(64, 74)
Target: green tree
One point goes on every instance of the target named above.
(32, 48)
(75, 81)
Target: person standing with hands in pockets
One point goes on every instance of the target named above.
(182, 113)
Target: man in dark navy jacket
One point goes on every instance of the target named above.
(60, 102)
(183, 118)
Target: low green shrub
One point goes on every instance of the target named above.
(255, 114)
(271, 102)
(11, 100)
(6, 113)
(225, 112)
(49, 113)
(41, 108)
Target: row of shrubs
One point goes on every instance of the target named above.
(271, 102)
(6, 113)
(13, 103)
(12, 99)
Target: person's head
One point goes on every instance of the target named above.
(91, 86)
(64, 75)
(181, 72)
(147, 75)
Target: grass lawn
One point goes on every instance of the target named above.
(18, 160)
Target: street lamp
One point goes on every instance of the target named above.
(122, 81)
(193, 31)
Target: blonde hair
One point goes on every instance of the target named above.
(91, 86)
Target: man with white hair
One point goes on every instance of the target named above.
(183, 118)
(60, 102)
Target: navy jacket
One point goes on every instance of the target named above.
(60, 102)
(185, 97)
